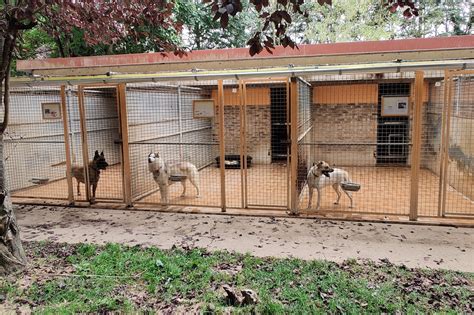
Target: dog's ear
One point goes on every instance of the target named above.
(96, 154)
(320, 163)
(102, 153)
(314, 163)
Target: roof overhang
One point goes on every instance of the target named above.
(420, 49)
(276, 72)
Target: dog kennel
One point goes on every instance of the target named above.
(405, 136)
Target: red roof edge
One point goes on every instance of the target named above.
(348, 48)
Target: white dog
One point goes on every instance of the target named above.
(321, 175)
(166, 174)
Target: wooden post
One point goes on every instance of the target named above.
(85, 147)
(294, 144)
(220, 106)
(70, 189)
(416, 150)
(127, 185)
(444, 114)
(446, 144)
(288, 147)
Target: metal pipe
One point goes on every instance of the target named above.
(265, 72)
(180, 123)
(71, 131)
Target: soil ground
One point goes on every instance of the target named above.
(412, 245)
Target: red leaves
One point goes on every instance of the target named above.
(407, 6)
(279, 20)
(328, 2)
(110, 21)
(223, 10)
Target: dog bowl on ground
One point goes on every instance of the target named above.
(350, 186)
(177, 178)
(39, 180)
(233, 161)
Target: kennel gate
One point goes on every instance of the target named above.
(101, 130)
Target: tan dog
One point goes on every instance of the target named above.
(98, 163)
(166, 174)
(321, 175)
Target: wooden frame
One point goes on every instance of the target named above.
(408, 101)
(448, 106)
(243, 129)
(85, 146)
(294, 144)
(443, 148)
(445, 134)
(126, 168)
(210, 103)
(70, 189)
(416, 149)
(121, 110)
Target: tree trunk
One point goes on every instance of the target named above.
(12, 255)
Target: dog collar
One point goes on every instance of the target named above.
(312, 172)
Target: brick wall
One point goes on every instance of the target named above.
(349, 124)
(258, 132)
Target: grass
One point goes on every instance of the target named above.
(89, 279)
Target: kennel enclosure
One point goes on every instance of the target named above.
(404, 132)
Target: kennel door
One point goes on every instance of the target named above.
(100, 132)
(266, 143)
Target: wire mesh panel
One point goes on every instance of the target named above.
(233, 140)
(102, 127)
(361, 130)
(305, 125)
(161, 120)
(34, 150)
(431, 140)
(266, 143)
(459, 190)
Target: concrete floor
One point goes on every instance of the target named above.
(384, 190)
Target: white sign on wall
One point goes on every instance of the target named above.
(51, 110)
(395, 105)
(203, 108)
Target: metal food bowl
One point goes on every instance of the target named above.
(39, 180)
(350, 186)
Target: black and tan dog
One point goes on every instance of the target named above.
(97, 164)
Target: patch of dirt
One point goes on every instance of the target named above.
(435, 247)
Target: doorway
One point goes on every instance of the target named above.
(279, 127)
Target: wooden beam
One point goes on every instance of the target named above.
(294, 144)
(70, 189)
(259, 63)
(416, 148)
(126, 168)
(220, 106)
(85, 146)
